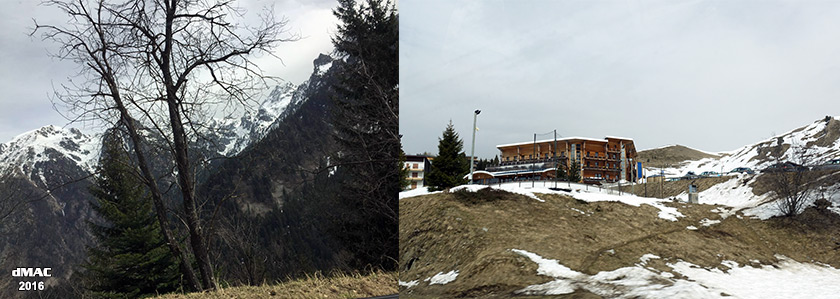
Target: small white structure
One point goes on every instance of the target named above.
(693, 196)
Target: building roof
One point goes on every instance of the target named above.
(562, 139)
(416, 158)
(508, 172)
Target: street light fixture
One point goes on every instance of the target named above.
(472, 151)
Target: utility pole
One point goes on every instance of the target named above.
(661, 179)
(472, 151)
(534, 157)
(556, 166)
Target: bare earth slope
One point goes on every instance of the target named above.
(474, 234)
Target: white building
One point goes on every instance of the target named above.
(418, 167)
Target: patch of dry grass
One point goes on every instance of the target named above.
(670, 156)
(315, 286)
(441, 233)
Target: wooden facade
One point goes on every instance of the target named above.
(601, 160)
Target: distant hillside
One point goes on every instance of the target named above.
(670, 156)
(822, 138)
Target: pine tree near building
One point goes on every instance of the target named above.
(131, 258)
(451, 164)
(403, 170)
(561, 171)
(574, 172)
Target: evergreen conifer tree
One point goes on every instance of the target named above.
(403, 171)
(131, 258)
(450, 165)
(366, 118)
(574, 172)
(561, 171)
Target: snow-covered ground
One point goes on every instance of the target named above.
(732, 196)
(787, 279)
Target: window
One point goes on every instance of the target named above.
(413, 185)
(414, 174)
(596, 164)
(415, 166)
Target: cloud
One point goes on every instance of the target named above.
(28, 74)
(713, 75)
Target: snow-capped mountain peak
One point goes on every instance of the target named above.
(49, 143)
(225, 136)
(232, 135)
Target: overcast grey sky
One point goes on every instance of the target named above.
(713, 75)
(28, 74)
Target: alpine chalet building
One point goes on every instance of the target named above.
(607, 160)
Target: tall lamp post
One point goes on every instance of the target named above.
(472, 151)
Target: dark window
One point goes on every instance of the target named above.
(414, 174)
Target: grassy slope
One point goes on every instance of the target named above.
(318, 286)
(444, 232)
(670, 156)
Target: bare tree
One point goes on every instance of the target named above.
(790, 178)
(164, 65)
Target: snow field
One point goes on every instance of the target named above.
(787, 279)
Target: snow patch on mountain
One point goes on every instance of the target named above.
(821, 137)
(235, 134)
(49, 143)
(225, 136)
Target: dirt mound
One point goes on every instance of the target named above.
(440, 233)
(670, 156)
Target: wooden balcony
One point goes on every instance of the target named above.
(602, 168)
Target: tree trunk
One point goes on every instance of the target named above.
(182, 163)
